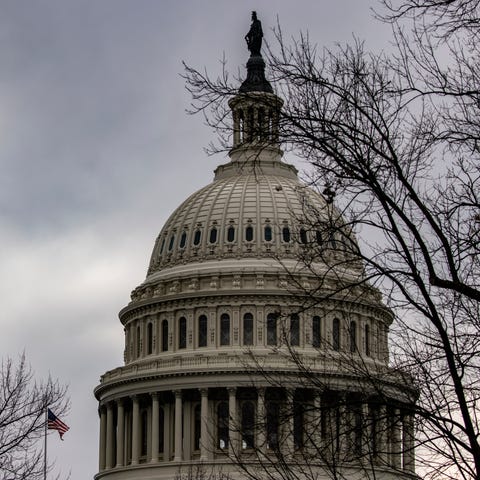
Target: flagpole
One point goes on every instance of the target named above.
(45, 446)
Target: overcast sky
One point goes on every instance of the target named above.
(96, 151)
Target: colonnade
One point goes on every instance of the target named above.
(209, 423)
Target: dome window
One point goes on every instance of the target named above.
(197, 237)
(336, 334)
(164, 335)
(172, 242)
(294, 330)
(268, 233)
(202, 331)
(316, 332)
(249, 233)
(182, 333)
(286, 234)
(318, 237)
(248, 425)
(225, 329)
(149, 338)
(303, 236)
(248, 329)
(231, 234)
(183, 240)
(367, 340)
(213, 235)
(271, 329)
(163, 246)
(353, 337)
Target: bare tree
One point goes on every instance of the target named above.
(23, 402)
(393, 140)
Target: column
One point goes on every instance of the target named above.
(408, 443)
(233, 427)
(120, 432)
(343, 428)
(287, 430)
(261, 421)
(103, 438)
(135, 430)
(110, 437)
(166, 432)
(382, 437)
(367, 437)
(155, 427)
(396, 446)
(178, 426)
(204, 435)
(314, 424)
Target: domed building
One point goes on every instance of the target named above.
(254, 345)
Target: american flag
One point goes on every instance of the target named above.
(54, 423)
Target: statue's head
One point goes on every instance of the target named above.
(254, 15)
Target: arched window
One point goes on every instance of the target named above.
(353, 336)
(294, 330)
(197, 237)
(248, 425)
(197, 427)
(222, 425)
(183, 240)
(268, 233)
(172, 242)
(139, 341)
(225, 329)
(318, 237)
(273, 414)
(303, 236)
(202, 331)
(231, 234)
(332, 241)
(213, 235)
(149, 338)
(336, 334)
(144, 434)
(249, 233)
(286, 234)
(316, 332)
(248, 329)
(271, 329)
(164, 335)
(163, 246)
(182, 332)
(367, 339)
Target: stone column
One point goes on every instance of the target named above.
(382, 437)
(343, 432)
(261, 421)
(314, 424)
(178, 426)
(155, 427)
(103, 438)
(135, 430)
(286, 431)
(396, 447)
(408, 443)
(120, 432)
(367, 443)
(233, 447)
(110, 437)
(204, 435)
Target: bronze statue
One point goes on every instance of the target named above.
(254, 36)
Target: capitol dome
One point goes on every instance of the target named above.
(254, 332)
